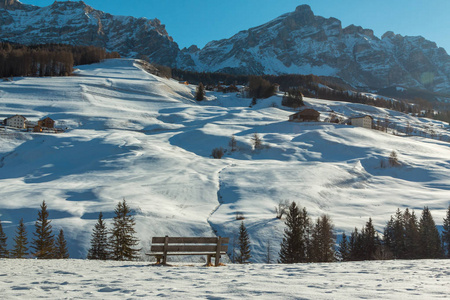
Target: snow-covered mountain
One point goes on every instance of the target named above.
(144, 138)
(297, 42)
(300, 42)
(74, 22)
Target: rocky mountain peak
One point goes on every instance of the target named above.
(302, 16)
(296, 42)
(353, 29)
(303, 12)
(192, 49)
(75, 22)
(300, 42)
(68, 4)
(11, 4)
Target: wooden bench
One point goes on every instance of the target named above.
(209, 246)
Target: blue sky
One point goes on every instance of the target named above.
(200, 21)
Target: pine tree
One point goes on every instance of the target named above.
(244, 245)
(394, 235)
(293, 98)
(122, 239)
(4, 253)
(43, 244)
(322, 242)
(99, 241)
(355, 245)
(430, 242)
(370, 240)
(344, 248)
(294, 244)
(61, 251)
(412, 236)
(446, 234)
(20, 249)
(389, 235)
(200, 93)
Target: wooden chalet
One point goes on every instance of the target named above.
(305, 115)
(46, 123)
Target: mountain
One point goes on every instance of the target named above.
(296, 42)
(79, 24)
(300, 42)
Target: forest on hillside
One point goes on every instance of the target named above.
(314, 87)
(48, 59)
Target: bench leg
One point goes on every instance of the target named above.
(217, 260)
(158, 260)
(208, 260)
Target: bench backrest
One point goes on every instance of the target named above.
(207, 245)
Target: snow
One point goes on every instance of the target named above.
(80, 279)
(140, 137)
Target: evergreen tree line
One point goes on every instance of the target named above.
(309, 86)
(44, 244)
(405, 237)
(293, 98)
(305, 241)
(120, 242)
(443, 113)
(48, 59)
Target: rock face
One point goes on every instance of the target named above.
(79, 24)
(300, 42)
(10, 4)
(297, 42)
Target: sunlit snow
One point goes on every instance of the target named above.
(136, 136)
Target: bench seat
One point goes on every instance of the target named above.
(209, 246)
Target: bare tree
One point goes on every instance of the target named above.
(257, 141)
(232, 143)
(393, 159)
(282, 208)
(217, 153)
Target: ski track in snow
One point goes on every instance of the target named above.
(219, 200)
(81, 279)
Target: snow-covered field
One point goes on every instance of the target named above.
(81, 279)
(136, 136)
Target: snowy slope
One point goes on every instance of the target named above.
(80, 279)
(136, 136)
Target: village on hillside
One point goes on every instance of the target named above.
(19, 122)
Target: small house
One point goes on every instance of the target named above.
(364, 121)
(244, 92)
(277, 87)
(17, 121)
(37, 128)
(46, 123)
(305, 115)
